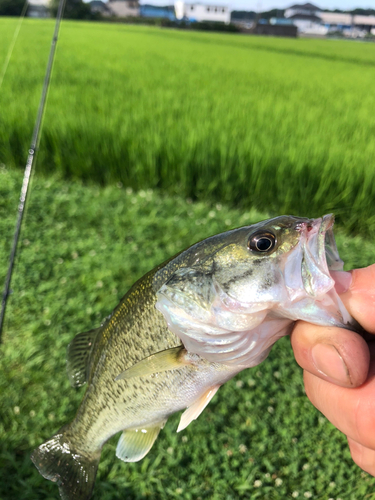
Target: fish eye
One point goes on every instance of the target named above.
(262, 242)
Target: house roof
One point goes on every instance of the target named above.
(304, 6)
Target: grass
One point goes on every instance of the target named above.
(81, 249)
(283, 126)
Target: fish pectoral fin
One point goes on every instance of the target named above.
(78, 357)
(162, 361)
(196, 408)
(134, 444)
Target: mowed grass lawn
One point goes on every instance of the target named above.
(81, 249)
(282, 125)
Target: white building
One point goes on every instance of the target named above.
(306, 9)
(310, 19)
(123, 8)
(202, 12)
(306, 17)
(337, 21)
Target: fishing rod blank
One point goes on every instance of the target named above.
(30, 160)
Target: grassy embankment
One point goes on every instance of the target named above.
(282, 125)
(285, 126)
(80, 251)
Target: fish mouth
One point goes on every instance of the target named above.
(319, 255)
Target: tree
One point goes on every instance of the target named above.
(272, 13)
(74, 9)
(11, 7)
(363, 12)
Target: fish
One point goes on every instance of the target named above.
(183, 330)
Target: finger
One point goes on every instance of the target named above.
(334, 354)
(362, 456)
(359, 295)
(350, 410)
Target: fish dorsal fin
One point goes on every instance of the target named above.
(78, 357)
(162, 361)
(196, 408)
(134, 444)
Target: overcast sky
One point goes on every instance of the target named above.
(278, 4)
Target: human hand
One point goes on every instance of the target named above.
(339, 367)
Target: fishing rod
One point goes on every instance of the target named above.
(30, 160)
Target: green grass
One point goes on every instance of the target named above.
(81, 249)
(283, 126)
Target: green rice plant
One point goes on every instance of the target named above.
(285, 126)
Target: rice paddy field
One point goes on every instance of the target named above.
(152, 140)
(276, 124)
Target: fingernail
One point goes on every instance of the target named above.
(343, 280)
(328, 361)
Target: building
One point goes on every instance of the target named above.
(306, 17)
(280, 21)
(306, 22)
(335, 21)
(38, 8)
(310, 19)
(154, 11)
(123, 8)
(305, 9)
(197, 12)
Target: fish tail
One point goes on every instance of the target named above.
(73, 471)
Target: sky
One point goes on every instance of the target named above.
(262, 5)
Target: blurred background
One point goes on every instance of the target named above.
(166, 124)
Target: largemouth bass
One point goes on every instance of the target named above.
(183, 330)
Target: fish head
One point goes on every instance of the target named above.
(274, 258)
(231, 300)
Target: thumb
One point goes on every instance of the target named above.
(336, 354)
(333, 354)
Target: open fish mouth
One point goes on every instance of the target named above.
(319, 255)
